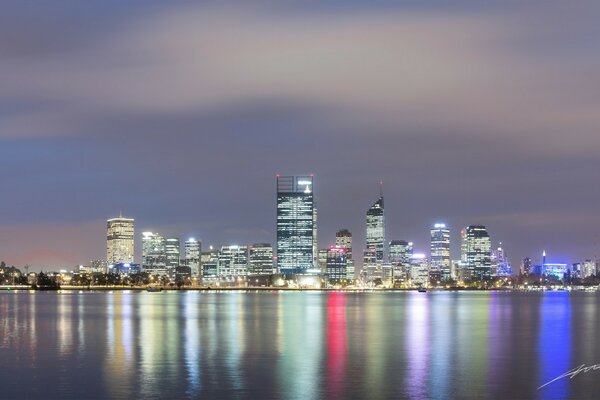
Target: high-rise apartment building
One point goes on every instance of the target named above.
(192, 251)
(476, 253)
(154, 255)
(260, 259)
(440, 251)
(120, 240)
(376, 230)
(295, 225)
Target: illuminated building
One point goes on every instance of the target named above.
(192, 250)
(400, 252)
(173, 251)
(526, 266)
(209, 261)
(502, 265)
(476, 254)
(558, 270)
(120, 240)
(233, 261)
(343, 238)
(337, 263)
(440, 251)
(376, 229)
(419, 270)
(588, 268)
(154, 256)
(260, 259)
(295, 224)
(322, 260)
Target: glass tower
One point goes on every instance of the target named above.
(476, 253)
(440, 251)
(260, 259)
(192, 255)
(295, 224)
(119, 240)
(376, 230)
(154, 256)
(343, 238)
(173, 254)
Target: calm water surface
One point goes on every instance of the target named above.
(306, 345)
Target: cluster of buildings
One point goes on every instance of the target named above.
(298, 256)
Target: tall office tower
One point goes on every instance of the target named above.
(233, 261)
(337, 263)
(526, 266)
(440, 251)
(315, 265)
(400, 252)
(193, 249)
(295, 224)
(343, 238)
(376, 229)
(120, 240)
(260, 259)
(503, 266)
(154, 254)
(476, 254)
(173, 251)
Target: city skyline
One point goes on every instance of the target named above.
(172, 113)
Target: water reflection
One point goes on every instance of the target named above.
(297, 345)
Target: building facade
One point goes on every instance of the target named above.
(192, 251)
(260, 259)
(233, 261)
(154, 254)
(173, 251)
(476, 253)
(343, 238)
(376, 230)
(440, 251)
(120, 244)
(295, 225)
(337, 263)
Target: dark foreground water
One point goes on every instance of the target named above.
(305, 345)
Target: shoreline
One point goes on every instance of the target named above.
(22, 288)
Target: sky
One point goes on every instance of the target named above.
(180, 114)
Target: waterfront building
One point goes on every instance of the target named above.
(502, 265)
(154, 256)
(322, 260)
(120, 246)
(337, 263)
(419, 270)
(124, 268)
(476, 257)
(173, 251)
(209, 261)
(588, 268)
(400, 252)
(556, 269)
(376, 229)
(440, 251)
(343, 238)
(192, 251)
(233, 261)
(295, 224)
(526, 266)
(260, 259)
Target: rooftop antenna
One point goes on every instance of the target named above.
(381, 188)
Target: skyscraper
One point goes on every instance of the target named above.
(193, 249)
(476, 257)
(295, 224)
(376, 229)
(440, 251)
(173, 252)
(154, 256)
(337, 263)
(343, 238)
(526, 266)
(260, 259)
(120, 240)
(502, 264)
